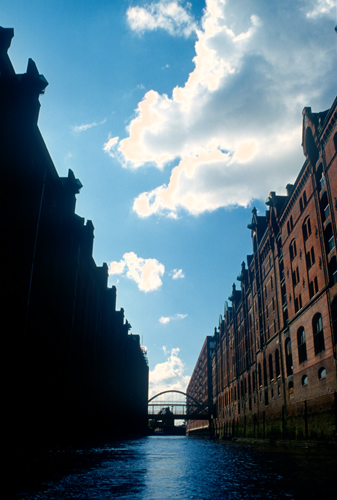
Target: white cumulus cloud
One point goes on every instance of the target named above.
(146, 273)
(167, 15)
(166, 319)
(232, 132)
(169, 375)
(177, 274)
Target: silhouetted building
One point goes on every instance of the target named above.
(68, 358)
(274, 364)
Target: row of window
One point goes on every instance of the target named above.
(321, 375)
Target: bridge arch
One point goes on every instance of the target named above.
(199, 403)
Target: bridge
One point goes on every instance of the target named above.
(176, 405)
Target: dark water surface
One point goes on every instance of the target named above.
(159, 467)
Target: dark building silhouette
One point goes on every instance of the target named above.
(274, 362)
(68, 360)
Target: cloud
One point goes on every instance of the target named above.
(87, 126)
(110, 146)
(168, 375)
(177, 274)
(164, 320)
(232, 132)
(146, 273)
(166, 15)
(321, 7)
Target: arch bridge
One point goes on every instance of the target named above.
(167, 405)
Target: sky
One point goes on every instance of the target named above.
(178, 117)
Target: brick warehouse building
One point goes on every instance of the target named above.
(200, 387)
(69, 363)
(274, 363)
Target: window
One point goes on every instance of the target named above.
(260, 375)
(301, 205)
(271, 374)
(326, 212)
(321, 373)
(313, 287)
(265, 375)
(317, 326)
(333, 270)
(296, 276)
(277, 363)
(289, 357)
(306, 229)
(298, 303)
(331, 243)
(292, 249)
(301, 344)
(329, 239)
(322, 181)
(310, 258)
(304, 198)
(266, 399)
(305, 380)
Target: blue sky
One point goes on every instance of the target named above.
(178, 117)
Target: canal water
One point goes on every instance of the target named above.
(176, 467)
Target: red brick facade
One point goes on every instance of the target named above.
(200, 386)
(274, 363)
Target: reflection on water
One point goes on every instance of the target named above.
(160, 467)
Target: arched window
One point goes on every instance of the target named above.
(289, 357)
(301, 344)
(271, 374)
(305, 380)
(317, 327)
(321, 373)
(277, 363)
